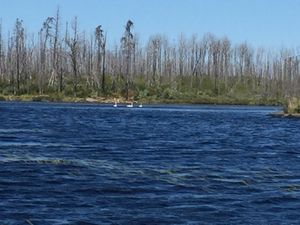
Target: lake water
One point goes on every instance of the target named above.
(162, 164)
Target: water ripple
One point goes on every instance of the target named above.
(94, 164)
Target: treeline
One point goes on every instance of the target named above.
(70, 62)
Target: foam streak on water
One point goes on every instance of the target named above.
(96, 164)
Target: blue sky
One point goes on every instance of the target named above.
(268, 23)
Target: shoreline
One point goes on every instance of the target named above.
(220, 100)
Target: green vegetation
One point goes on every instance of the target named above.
(140, 91)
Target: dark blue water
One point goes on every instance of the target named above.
(91, 164)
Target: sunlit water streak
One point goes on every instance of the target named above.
(160, 164)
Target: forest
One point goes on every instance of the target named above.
(62, 62)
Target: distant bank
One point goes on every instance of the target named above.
(217, 100)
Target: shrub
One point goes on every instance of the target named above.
(41, 98)
(292, 106)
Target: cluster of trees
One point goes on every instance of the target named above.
(73, 63)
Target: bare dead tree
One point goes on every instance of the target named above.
(55, 50)
(45, 34)
(182, 54)
(73, 44)
(215, 48)
(154, 55)
(127, 43)
(103, 47)
(19, 52)
(101, 44)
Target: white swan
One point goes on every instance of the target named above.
(140, 105)
(116, 103)
(130, 106)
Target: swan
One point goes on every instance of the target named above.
(116, 104)
(140, 105)
(130, 106)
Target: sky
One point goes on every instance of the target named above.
(261, 23)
